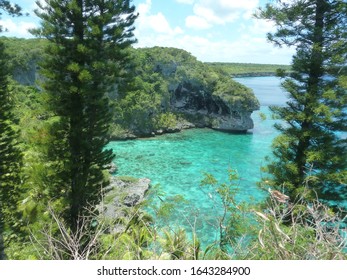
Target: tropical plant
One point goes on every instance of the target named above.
(234, 224)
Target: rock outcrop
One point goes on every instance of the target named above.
(204, 109)
(181, 92)
(171, 91)
(122, 193)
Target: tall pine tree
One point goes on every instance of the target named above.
(87, 50)
(10, 155)
(310, 151)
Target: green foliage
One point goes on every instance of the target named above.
(167, 120)
(262, 116)
(234, 223)
(250, 69)
(10, 155)
(142, 97)
(10, 162)
(23, 54)
(310, 148)
(176, 244)
(65, 126)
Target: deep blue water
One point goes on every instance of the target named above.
(178, 161)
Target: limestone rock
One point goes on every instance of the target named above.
(204, 109)
(122, 193)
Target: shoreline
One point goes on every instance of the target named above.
(150, 136)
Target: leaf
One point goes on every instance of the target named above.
(280, 231)
(260, 239)
(263, 216)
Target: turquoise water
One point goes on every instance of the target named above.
(178, 161)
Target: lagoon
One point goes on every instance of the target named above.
(177, 162)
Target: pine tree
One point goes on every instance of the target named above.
(87, 50)
(10, 155)
(310, 151)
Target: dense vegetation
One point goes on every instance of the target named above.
(250, 69)
(142, 100)
(52, 161)
(10, 154)
(145, 103)
(10, 159)
(83, 59)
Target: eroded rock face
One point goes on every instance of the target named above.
(27, 76)
(237, 121)
(208, 110)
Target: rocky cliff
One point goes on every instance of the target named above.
(208, 110)
(175, 91)
(169, 90)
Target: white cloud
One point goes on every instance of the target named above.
(251, 47)
(197, 22)
(144, 8)
(261, 26)
(220, 11)
(230, 5)
(17, 28)
(157, 23)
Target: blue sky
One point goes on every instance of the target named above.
(212, 30)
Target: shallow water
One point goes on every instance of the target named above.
(178, 161)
